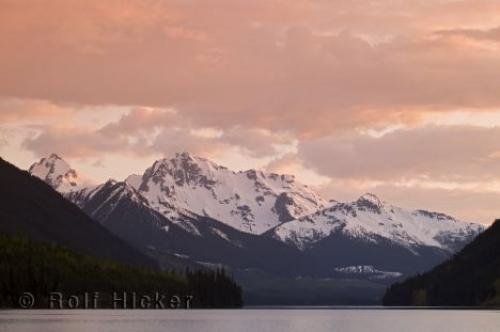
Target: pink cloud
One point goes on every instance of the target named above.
(454, 153)
(307, 67)
(147, 132)
(13, 110)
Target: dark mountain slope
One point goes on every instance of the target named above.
(123, 210)
(470, 278)
(344, 250)
(42, 268)
(31, 208)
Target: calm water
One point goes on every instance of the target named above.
(276, 320)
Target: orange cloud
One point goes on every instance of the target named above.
(305, 67)
(14, 110)
(446, 153)
(146, 132)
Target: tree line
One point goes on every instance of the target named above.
(43, 268)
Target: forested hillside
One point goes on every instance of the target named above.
(470, 278)
(26, 266)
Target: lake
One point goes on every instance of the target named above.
(260, 320)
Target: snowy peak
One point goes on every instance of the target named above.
(57, 173)
(369, 202)
(370, 198)
(251, 201)
(185, 170)
(369, 219)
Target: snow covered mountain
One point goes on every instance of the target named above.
(192, 207)
(255, 202)
(369, 219)
(250, 201)
(191, 238)
(189, 210)
(57, 173)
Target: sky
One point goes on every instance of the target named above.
(395, 97)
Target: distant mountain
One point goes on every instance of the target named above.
(250, 201)
(470, 278)
(368, 218)
(269, 270)
(57, 173)
(191, 238)
(31, 208)
(371, 232)
(263, 225)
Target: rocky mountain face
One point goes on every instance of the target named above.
(368, 218)
(57, 173)
(250, 201)
(196, 211)
(193, 239)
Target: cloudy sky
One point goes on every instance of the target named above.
(399, 98)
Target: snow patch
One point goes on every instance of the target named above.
(367, 270)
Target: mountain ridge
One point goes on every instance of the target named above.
(172, 211)
(256, 202)
(368, 216)
(251, 201)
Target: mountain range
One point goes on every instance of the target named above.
(263, 226)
